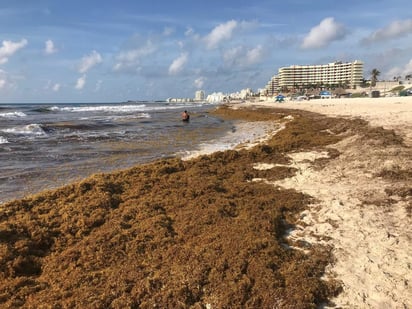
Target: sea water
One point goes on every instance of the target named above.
(43, 146)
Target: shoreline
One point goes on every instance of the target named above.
(230, 229)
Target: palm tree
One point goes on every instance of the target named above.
(374, 76)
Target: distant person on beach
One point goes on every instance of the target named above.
(185, 116)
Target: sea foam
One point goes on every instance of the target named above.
(13, 115)
(242, 135)
(3, 140)
(102, 108)
(30, 129)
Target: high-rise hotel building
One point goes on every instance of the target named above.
(338, 73)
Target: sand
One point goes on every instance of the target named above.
(362, 211)
(388, 112)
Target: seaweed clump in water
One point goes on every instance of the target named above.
(171, 233)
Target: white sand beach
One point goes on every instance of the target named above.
(364, 217)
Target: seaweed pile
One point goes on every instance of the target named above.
(172, 233)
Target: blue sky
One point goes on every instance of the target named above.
(110, 51)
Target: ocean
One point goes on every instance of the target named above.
(44, 146)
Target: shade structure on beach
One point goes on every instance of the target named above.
(280, 98)
(324, 93)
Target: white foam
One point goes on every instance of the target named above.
(31, 129)
(245, 135)
(117, 118)
(103, 108)
(3, 140)
(13, 115)
(115, 108)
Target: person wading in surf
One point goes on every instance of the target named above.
(185, 116)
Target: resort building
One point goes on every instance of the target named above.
(216, 97)
(345, 74)
(241, 95)
(272, 87)
(200, 95)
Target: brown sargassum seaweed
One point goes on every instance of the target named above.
(172, 233)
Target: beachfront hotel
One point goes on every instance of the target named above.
(199, 95)
(346, 74)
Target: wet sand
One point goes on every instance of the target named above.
(259, 227)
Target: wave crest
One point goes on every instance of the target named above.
(3, 140)
(30, 129)
(13, 115)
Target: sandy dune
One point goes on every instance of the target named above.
(364, 215)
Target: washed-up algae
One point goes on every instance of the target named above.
(172, 234)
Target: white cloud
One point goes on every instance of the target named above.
(3, 79)
(220, 33)
(400, 71)
(326, 32)
(56, 87)
(232, 54)
(199, 82)
(98, 85)
(49, 47)
(189, 32)
(89, 61)
(81, 81)
(168, 31)
(131, 59)
(178, 64)
(395, 29)
(241, 56)
(254, 55)
(8, 48)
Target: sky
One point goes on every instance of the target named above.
(56, 51)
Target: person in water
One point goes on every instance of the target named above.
(185, 116)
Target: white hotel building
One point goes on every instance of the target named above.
(338, 73)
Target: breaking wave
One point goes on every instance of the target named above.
(30, 129)
(13, 115)
(101, 108)
(3, 140)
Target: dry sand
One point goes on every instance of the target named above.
(364, 215)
